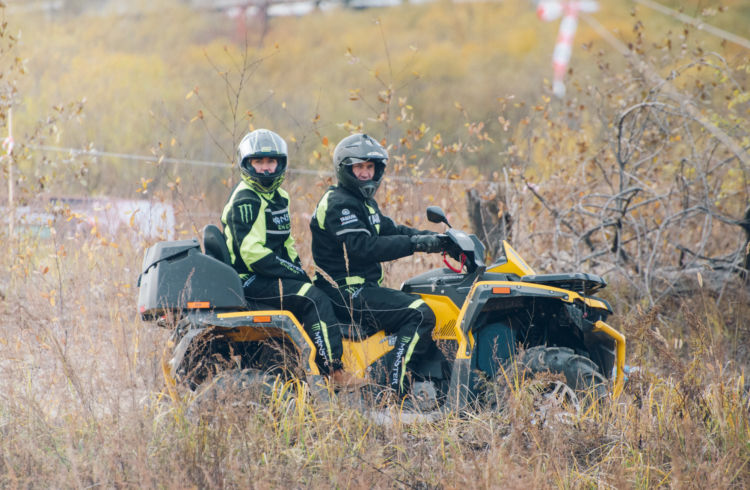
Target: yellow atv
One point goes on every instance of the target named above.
(484, 314)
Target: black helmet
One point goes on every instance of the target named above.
(259, 144)
(359, 148)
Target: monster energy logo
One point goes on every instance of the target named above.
(289, 265)
(318, 340)
(395, 378)
(246, 212)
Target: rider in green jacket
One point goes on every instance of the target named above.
(257, 228)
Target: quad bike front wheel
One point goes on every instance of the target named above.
(574, 379)
(554, 376)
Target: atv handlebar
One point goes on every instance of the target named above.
(457, 270)
(463, 248)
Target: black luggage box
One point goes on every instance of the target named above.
(176, 276)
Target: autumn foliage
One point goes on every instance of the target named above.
(640, 174)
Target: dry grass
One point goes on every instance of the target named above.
(82, 404)
(82, 400)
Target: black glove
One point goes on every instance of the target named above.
(426, 243)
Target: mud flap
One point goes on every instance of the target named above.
(495, 343)
(458, 393)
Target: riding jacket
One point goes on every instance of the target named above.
(258, 230)
(350, 237)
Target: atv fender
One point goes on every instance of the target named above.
(238, 327)
(181, 349)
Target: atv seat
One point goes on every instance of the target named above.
(214, 244)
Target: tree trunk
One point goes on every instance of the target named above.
(745, 224)
(489, 218)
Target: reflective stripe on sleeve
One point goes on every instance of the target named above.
(321, 210)
(353, 230)
(416, 304)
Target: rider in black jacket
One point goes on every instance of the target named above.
(257, 229)
(351, 237)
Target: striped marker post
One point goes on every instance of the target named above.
(549, 10)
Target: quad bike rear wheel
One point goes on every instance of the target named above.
(233, 388)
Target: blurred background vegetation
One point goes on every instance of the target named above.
(443, 66)
(647, 151)
(640, 173)
(133, 100)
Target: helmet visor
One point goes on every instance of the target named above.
(379, 167)
(355, 160)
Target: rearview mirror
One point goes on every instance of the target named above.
(436, 215)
